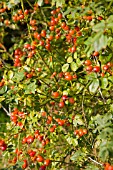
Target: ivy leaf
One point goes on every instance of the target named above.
(94, 86)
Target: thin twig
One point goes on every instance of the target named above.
(5, 110)
(83, 112)
(64, 162)
(102, 95)
(95, 161)
(64, 16)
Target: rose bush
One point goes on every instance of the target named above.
(56, 84)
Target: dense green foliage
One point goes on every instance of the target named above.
(56, 84)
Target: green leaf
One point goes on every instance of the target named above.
(73, 66)
(104, 83)
(1, 98)
(10, 74)
(40, 2)
(111, 107)
(71, 140)
(90, 167)
(18, 76)
(91, 76)
(68, 11)
(110, 78)
(78, 120)
(75, 55)
(69, 60)
(78, 156)
(104, 154)
(3, 89)
(110, 25)
(103, 41)
(100, 43)
(94, 86)
(59, 3)
(65, 67)
(30, 88)
(79, 62)
(99, 27)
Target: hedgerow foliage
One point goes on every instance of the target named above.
(56, 84)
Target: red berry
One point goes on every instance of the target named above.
(96, 53)
(3, 147)
(2, 142)
(47, 162)
(71, 100)
(64, 97)
(33, 22)
(84, 131)
(41, 42)
(76, 132)
(32, 153)
(24, 140)
(61, 104)
(43, 167)
(30, 139)
(110, 167)
(100, 18)
(68, 77)
(88, 62)
(55, 94)
(105, 67)
(89, 68)
(109, 64)
(96, 69)
(60, 16)
(43, 33)
(63, 24)
(40, 158)
(52, 28)
(61, 122)
(80, 132)
(73, 49)
(25, 164)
